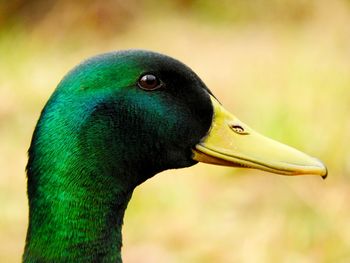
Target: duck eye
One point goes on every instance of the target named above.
(149, 82)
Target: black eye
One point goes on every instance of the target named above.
(149, 82)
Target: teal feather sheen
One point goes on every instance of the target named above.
(98, 137)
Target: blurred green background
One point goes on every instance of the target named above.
(282, 66)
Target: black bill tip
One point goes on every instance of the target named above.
(325, 175)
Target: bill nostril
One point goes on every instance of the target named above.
(238, 129)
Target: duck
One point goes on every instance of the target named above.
(113, 122)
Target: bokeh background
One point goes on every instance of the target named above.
(282, 66)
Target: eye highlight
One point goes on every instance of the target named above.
(149, 82)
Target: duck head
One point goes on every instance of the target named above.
(149, 112)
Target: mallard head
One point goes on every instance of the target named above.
(152, 113)
(116, 120)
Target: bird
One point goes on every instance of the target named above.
(114, 121)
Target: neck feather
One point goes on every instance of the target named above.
(76, 210)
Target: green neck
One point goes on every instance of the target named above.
(77, 222)
(79, 185)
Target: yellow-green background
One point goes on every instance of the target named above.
(282, 66)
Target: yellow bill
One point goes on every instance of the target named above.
(230, 142)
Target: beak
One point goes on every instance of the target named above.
(230, 142)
